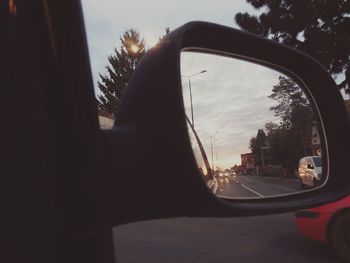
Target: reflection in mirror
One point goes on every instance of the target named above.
(253, 130)
(202, 159)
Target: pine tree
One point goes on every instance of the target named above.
(119, 70)
(320, 28)
(167, 32)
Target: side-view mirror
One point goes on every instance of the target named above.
(211, 112)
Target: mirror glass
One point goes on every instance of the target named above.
(253, 129)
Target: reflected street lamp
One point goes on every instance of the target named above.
(210, 135)
(211, 150)
(189, 85)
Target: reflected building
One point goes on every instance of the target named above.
(263, 151)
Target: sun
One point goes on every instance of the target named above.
(134, 48)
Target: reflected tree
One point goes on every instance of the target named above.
(293, 107)
(290, 139)
(286, 146)
(253, 145)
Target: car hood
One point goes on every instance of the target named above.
(333, 207)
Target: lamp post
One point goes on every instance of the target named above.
(217, 154)
(189, 86)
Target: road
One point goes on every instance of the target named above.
(270, 239)
(256, 186)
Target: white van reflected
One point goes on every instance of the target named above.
(310, 171)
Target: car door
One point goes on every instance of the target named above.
(49, 143)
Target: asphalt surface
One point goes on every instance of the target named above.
(273, 238)
(245, 186)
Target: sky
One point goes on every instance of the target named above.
(106, 20)
(229, 100)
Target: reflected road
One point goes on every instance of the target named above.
(256, 186)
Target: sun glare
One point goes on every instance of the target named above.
(151, 42)
(134, 48)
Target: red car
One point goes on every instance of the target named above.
(330, 224)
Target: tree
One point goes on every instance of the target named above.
(119, 70)
(293, 107)
(167, 32)
(320, 28)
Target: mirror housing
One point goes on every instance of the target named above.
(150, 142)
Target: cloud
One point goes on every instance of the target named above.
(230, 102)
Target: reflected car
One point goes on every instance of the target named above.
(223, 174)
(232, 173)
(310, 171)
(212, 185)
(329, 224)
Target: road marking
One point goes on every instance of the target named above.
(246, 187)
(271, 185)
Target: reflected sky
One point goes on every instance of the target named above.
(230, 103)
